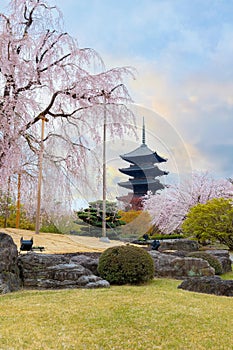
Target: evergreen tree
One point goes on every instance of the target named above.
(94, 213)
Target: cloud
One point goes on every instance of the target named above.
(200, 108)
(183, 52)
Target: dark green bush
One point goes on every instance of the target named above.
(212, 260)
(171, 236)
(126, 265)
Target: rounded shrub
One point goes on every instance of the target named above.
(212, 260)
(126, 265)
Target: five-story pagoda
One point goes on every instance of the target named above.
(143, 171)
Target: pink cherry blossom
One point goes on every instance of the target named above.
(44, 74)
(169, 207)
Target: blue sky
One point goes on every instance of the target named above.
(183, 53)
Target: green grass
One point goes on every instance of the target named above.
(228, 275)
(153, 316)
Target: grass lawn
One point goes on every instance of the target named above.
(153, 316)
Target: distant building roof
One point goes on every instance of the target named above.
(143, 170)
(139, 182)
(143, 154)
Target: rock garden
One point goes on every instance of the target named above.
(178, 259)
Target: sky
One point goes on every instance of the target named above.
(183, 54)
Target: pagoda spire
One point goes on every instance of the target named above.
(143, 132)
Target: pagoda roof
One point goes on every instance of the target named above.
(143, 154)
(134, 169)
(131, 182)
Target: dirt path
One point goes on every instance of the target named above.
(59, 243)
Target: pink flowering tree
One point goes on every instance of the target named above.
(169, 208)
(44, 74)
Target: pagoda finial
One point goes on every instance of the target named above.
(143, 132)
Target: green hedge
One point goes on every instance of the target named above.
(126, 265)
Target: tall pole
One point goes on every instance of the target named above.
(104, 173)
(7, 202)
(43, 119)
(18, 202)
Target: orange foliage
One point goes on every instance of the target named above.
(137, 222)
(128, 216)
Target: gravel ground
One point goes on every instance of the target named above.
(58, 243)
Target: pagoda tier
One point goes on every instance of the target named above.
(143, 154)
(147, 171)
(141, 186)
(143, 170)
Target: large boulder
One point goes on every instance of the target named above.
(209, 285)
(56, 271)
(167, 265)
(223, 256)
(91, 263)
(9, 273)
(185, 245)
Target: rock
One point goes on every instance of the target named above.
(9, 282)
(86, 261)
(8, 253)
(180, 253)
(223, 256)
(40, 261)
(209, 285)
(179, 244)
(9, 272)
(98, 284)
(57, 271)
(167, 265)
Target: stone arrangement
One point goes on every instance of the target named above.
(57, 271)
(224, 257)
(45, 271)
(79, 270)
(180, 245)
(171, 266)
(181, 248)
(197, 274)
(210, 285)
(9, 272)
